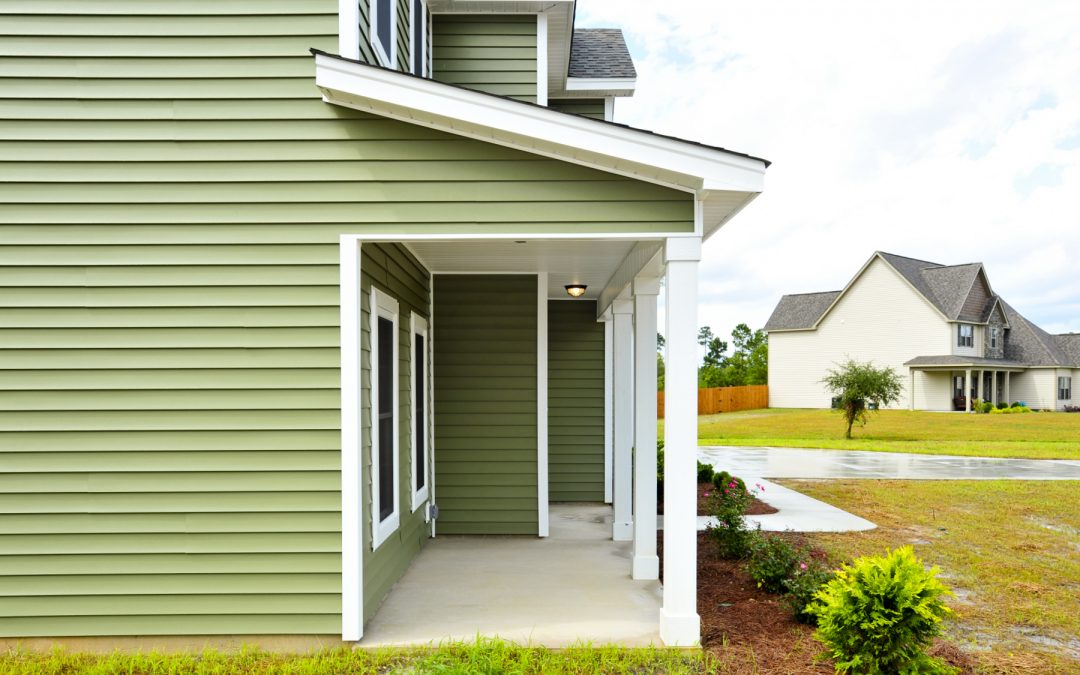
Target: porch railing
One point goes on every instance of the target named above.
(725, 399)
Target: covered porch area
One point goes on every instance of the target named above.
(969, 379)
(569, 587)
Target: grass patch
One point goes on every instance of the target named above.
(482, 656)
(1008, 548)
(1034, 436)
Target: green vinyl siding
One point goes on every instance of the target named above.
(587, 107)
(575, 402)
(485, 404)
(172, 193)
(493, 53)
(393, 270)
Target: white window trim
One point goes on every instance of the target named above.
(962, 339)
(422, 25)
(1064, 388)
(349, 28)
(993, 337)
(386, 60)
(386, 307)
(418, 325)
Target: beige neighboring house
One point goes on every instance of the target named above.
(941, 326)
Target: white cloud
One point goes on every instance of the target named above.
(946, 131)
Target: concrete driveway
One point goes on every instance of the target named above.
(812, 463)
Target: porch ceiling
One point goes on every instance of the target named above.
(593, 263)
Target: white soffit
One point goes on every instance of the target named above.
(707, 172)
(588, 262)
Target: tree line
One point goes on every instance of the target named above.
(748, 362)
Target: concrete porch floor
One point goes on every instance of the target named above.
(573, 587)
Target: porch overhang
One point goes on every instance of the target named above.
(949, 362)
(722, 181)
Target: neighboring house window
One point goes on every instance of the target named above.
(1064, 388)
(965, 335)
(385, 514)
(383, 29)
(420, 410)
(993, 337)
(418, 38)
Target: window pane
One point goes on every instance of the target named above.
(383, 25)
(386, 418)
(418, 37)
(420, 413)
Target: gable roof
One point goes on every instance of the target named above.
(800, 311)
(947, 288)
(600, 53)
(722, 181)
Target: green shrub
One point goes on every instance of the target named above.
(1016, 404)
(660, 470)
(772, 561)
(704, 472)
(1002, 406)
(807, 579)
(986, 406)
(878, 615)
(727, 504)
(1000, 411)
(720, 479)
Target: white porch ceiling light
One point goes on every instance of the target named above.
(576, 290)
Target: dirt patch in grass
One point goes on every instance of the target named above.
(757, 507)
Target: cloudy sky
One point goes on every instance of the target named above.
(947, 131)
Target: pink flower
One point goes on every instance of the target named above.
(707, 494)
(802, 566)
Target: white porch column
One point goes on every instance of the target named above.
(911, 391)
(680, 624)
(979, 393)
(623, 419)
(646, 565)
(608, 335)
(1008, 399)
(993, 388)
(967, 390)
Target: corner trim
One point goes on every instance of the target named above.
(352, 524)
(542, 515)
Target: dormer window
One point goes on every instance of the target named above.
(993, 337)
(965, 335)
(383, 28)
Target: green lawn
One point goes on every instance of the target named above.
(1033, 436)
(484, 656)
(1009, 549)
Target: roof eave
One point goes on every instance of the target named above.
(722, 181)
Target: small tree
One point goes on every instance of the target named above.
(858, 386)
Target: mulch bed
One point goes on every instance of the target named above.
(752, 631)
(757, 507)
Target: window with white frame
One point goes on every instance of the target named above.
(993, 337)
(383, 31)
(421, 410)
(1064, 388)
(385, 512)
(965, 335)
(418, 31)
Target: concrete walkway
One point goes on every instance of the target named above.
(797, 512)
(571, 587)
(806, 463)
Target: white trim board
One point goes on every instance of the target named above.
(718, 177)
(542, 479)
(352, 558)
(386, 60)
(542, 59)
(418, 325)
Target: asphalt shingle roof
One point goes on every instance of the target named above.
(955, 360)
(946, 287)
(600, 53)
(800, 311)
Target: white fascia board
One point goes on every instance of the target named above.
(608, 147)
(624, 85)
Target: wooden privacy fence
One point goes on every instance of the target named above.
(725, 399)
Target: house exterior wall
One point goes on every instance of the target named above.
(879, 319)
(588, 107)
(976, 301)
(978, 341)
(393, 270)
(1037, 387)
(933, 390)
(485, 404)
(575, 402)
(173, 189)
(997, 320)
(495, 53)
(1060, 404)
